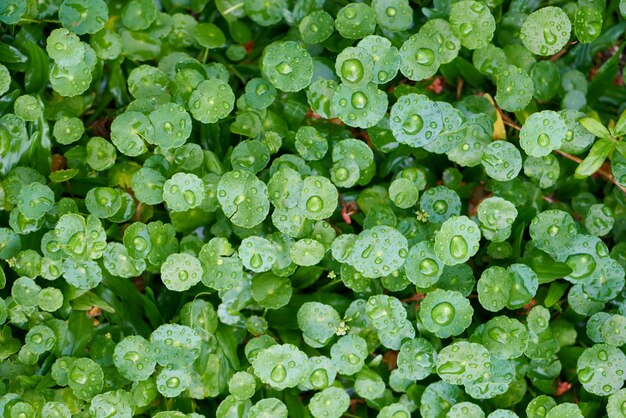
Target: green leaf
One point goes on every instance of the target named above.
(620, 146)
(555, 293)
(546, 268)
(595, 127)
(80, 329)
(594, 160)
(620, 126)
(90, 300)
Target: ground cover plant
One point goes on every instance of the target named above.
(310, 208)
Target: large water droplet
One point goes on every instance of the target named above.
(256, 261)
(319, 378)
(425, 56)
(239, 199)
(261, 89)
(353, 359)
(443, 314)
(465, 28)
(173, 382)
(413, 124)
(77, 243)
(451, 367)
(132, 356)
(352, 70)
(79, 375)
(189, 197)
(440, 207)
(458, 247)
(585, 375)
(429, 267)
(342, 174)
(543, 140)
(498, 334)
(549, 37)
(140, 244)
(553, 230)
(359, 100)
(278, 374)
(314, 204)
(581, 264)
(284, 68)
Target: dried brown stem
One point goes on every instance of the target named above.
(562, 51)
(511, 124)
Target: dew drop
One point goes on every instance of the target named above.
(278, 374)
(413, 124)
(429, 267)
(352, 70)
(443, 313)
(581, 264)
(350, 13)
(465, 28)
(477, 7)
(353, 359)
(256, 261)
(549, 37)
(319, 379)
(498, 334)
(342, 174)
(451, 367)
(140, 244)
(425, 56)
(359, 100)
(543, 140)
(553, 230)
(440, 207)
(173, 382)
(189, 197)
(314, 204)
(458, 247)
(284, 68)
